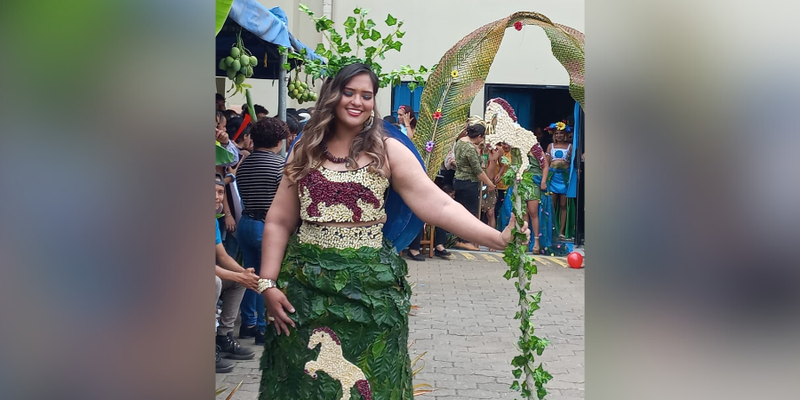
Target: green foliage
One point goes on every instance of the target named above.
(362, 295)
(521, 266)
(223, 8)
(360, 32)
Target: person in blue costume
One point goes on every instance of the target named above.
(559, 156)
(334, 286)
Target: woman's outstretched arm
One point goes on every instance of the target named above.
(435, 207)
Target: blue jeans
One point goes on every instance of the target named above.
(250, 233)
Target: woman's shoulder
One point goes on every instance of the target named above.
(462, 143)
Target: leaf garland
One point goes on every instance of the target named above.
(521, 266)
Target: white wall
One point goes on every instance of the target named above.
(432, 27)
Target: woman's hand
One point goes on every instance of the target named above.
(543, 186)
(222, 137)
(277, 307)
(230, 223)
(506, 234)
(248, 279)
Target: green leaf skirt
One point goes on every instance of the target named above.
(362, 296)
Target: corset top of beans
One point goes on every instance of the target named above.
(342, 196)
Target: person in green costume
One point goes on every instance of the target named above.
(334, 287)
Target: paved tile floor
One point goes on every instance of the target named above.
(465, 323)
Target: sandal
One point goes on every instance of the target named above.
(536, 248)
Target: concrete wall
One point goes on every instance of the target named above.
(433, 27)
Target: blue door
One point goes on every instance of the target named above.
(401, 96)
(521, 100)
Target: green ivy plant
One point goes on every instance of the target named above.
(521, 266)
(361, 42)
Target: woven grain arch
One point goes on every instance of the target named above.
(463, 69)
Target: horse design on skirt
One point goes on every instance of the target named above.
(332, 362)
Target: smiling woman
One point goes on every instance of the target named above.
(348, 103)
(349, 330)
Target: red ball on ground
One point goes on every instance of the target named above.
(575, 259)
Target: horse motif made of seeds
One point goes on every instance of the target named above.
(332, 362)
(502, 127)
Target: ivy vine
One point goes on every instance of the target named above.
(521, 266)
(362, 42)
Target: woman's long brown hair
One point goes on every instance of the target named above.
(308, 151)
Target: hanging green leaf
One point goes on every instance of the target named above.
(223, 8)
(390, 20)
(349, 27)
(344, 48)
(335, 38)
(375, 35)
(369, 52)
(223, 155)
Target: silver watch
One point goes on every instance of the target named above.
(264, 284)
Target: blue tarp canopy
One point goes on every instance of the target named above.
(263, 30)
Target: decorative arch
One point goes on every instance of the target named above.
(462, 71)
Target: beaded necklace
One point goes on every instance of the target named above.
(332, 158)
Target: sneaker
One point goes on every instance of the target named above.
(260, 337)
(418, 257)
(443, 253)
(223, 367)
(230, 348)
(247, 332)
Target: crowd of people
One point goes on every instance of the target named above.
(472, 174)
(245, 189)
